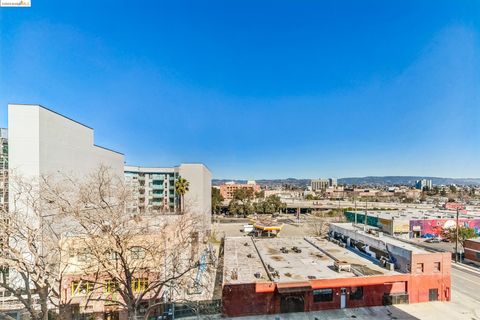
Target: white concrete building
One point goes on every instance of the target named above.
(4, 168)
(155, 189)
(43, 142)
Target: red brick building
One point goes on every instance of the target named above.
(269, 276)
(228, 189)
(472, 250)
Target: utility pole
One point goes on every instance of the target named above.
(355, 205)
(456, 237)
(366, 214)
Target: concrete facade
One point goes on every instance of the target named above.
(43, 142)
(228, 189)
(4, 168)
(319, 184)
(155, 189)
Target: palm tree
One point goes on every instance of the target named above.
(181, 187)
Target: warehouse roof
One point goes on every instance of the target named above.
(419, 214)
(250, 260)
(384, 238)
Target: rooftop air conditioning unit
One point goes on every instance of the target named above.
(390, 266)
(342, 266)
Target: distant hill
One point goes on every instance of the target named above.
(371, 181)
(407, 180)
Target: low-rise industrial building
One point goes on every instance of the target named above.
(415, 224)
(354, 269)
(472, 250)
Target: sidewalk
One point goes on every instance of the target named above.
(382, 313)
(466, 267)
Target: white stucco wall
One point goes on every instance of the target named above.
(199, 197)
(42, 142)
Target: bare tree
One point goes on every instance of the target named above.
(317, 226)
(29, 251)
(113, 257)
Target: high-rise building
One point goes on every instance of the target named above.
(332, 182)
(423, 183)
(154, 189)
(319, 184)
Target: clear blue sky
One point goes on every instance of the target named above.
(257, 89)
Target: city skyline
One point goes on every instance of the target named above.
(288, 100)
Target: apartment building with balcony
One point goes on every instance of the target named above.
(228, 189)
(154, 190)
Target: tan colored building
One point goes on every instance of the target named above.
(96, 274)
(228, 189)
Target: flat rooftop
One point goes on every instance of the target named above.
(248, 260)
(419, 214)
(386, 239)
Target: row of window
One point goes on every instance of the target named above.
(436, 267)
(136, 253)
(326, 295)
(82, 288)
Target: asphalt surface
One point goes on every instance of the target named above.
(467, 283)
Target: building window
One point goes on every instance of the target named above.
(322, 295)
(419, 267)
(436, 267)
(83, 255)
(356, 293)
(477, 255)
(140, 284)
(81, 288)
(433, 294)
(137, 253)
(111, 255)
(111, 286)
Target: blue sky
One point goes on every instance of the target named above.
(255, 89)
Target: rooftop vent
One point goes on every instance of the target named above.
(311, 277)
(284, 250)
(342, 266)
(256, 275)
(296, 250)
(234, 275)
